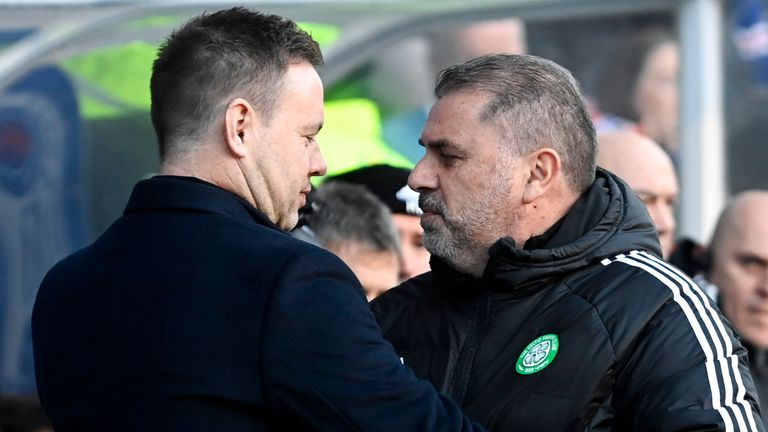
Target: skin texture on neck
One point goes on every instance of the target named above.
(546, 211)
(210, 160)
(201, 161)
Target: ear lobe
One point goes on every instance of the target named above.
(544, 166)
(238, 121)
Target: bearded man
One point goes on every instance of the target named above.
(548, 307)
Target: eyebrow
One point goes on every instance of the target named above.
(751, 255)
(439, 144)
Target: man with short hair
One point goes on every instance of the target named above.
(739, 268)
(548, 307)
(195, 311)
(390, 185)
(649, 171)
(350, 221)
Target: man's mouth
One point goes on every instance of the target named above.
(429, 206)
(304, 193)
(430, 211)
(761, 311)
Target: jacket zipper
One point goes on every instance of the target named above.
(464, 365)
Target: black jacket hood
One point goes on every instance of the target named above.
(607, 220)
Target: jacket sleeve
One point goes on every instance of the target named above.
(687, 372)
(326, 362)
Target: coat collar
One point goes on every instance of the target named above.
(190, 194)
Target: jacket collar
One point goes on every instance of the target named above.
(758, 358)
(607, 220)
(190, 194)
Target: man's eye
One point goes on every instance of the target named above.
(448, 157)
(751, 263)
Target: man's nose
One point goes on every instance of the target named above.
(317, 164)
(763, 282)
(663, 216)
(422, 176)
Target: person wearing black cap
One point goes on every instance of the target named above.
(390, 185)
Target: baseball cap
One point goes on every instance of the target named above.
(388, 183)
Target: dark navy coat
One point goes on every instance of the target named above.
(193, 312)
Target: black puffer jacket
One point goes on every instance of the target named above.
(583, 329)
(758, 365)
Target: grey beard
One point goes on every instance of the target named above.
(459, 253)
(457, 239)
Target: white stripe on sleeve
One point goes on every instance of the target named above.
(727, 402)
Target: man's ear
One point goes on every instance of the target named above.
(238, 122)
(544, 167)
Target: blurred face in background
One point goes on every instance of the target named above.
(656, 95)
(377, 270)
(648, 170)
(740, 268)
(415, 256)
(491, 37)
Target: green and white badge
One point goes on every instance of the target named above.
(538, 354)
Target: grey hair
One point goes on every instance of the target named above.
(344, 213)
(535, 103)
